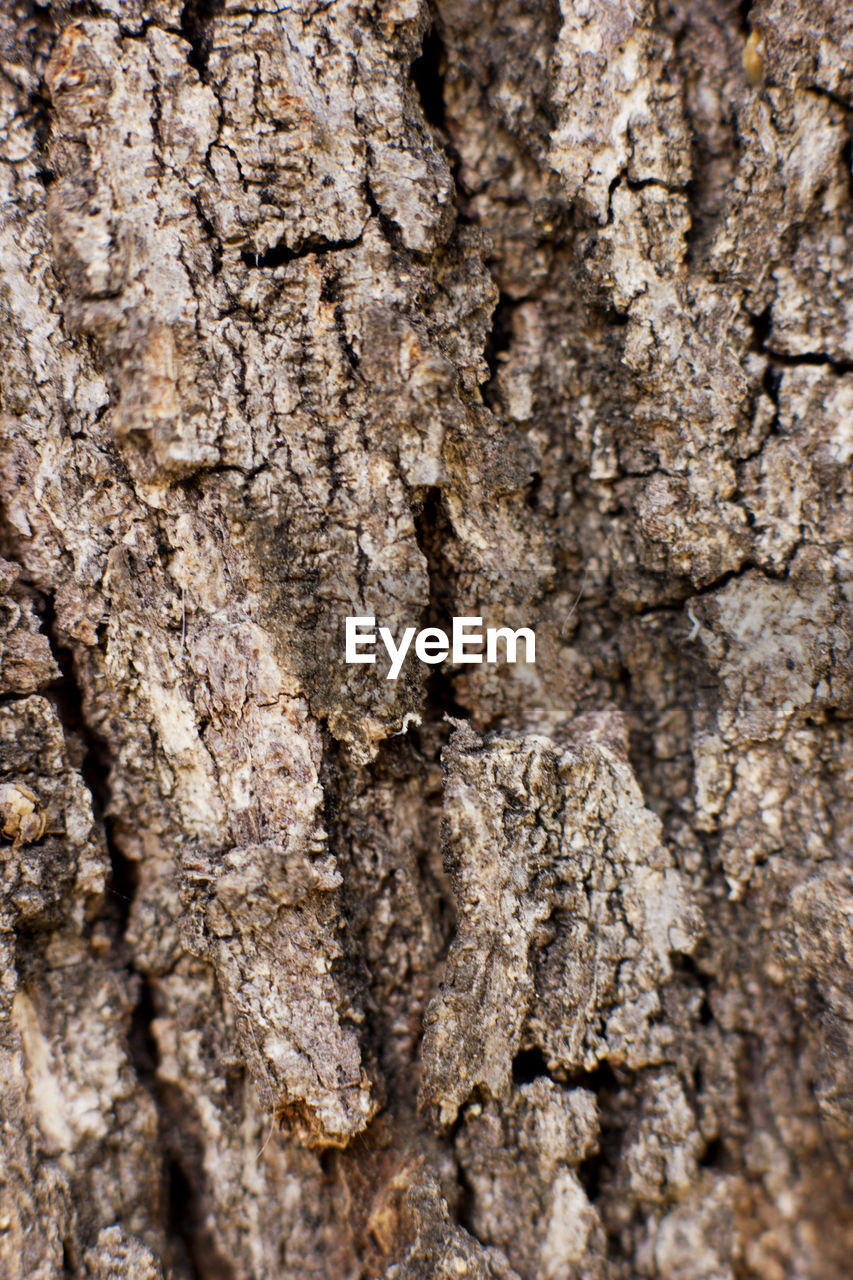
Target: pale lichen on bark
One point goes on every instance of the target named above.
(540, 313)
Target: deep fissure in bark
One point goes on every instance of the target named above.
(197, 29)
(428, 77)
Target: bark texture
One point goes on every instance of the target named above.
(537, 311)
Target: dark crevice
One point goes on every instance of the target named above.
(745, 8)
(41, 135)
(94, 766)
(529, 1065)
(640, 184)
(350, 966)
(814, 358)
(192, 1247)
(683, 591)
(611, 191)
(590, 1173)
(497, 344)
(463, 1208)
(847, 156)
(279, 254)
(142, 1046)
(532, 496)
(329, 1161)
(93, 761)
(332, 785)
(210, 232)
(712, 1156)
(602, 1079)
(75, 9)
(197, 29)
(686, 967)
(609, 314)
(770, 384)
(387, 225)
(434, 533)
(836, 99)
(762, 327)
(38, 33)
(593, 1172)
(428, 78)
(465, 1203)
(331, 288)
(182, 1220)
(340, 325)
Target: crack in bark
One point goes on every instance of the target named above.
(428, 77)
(280, 254)
(197, 18)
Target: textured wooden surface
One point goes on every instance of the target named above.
(536, 312)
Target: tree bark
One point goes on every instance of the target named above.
(533, 312)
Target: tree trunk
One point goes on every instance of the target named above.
(531, 312)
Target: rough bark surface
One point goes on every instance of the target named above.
(537, 311)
